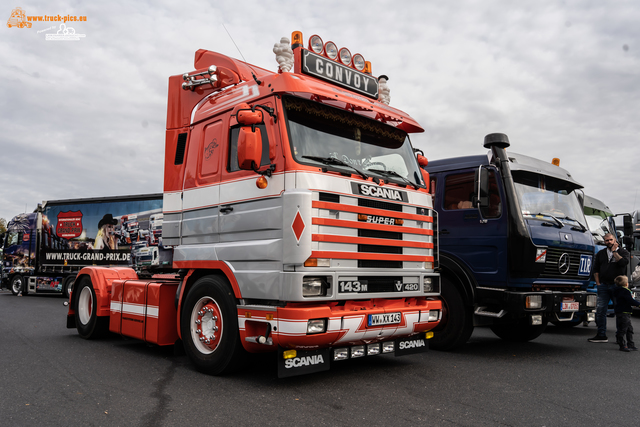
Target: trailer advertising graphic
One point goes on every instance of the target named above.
(60, 237)
(96, 233)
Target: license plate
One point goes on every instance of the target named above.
(384, 319)
(585, 265)
(570, 306)
(374, 219)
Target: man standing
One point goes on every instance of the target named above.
(610, 263)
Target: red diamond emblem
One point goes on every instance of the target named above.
(298, 226)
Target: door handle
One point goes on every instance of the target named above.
(444, 231)
(226, 209)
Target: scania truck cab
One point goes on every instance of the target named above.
(514, 249)
(297, 218)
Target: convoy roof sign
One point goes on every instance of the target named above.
(341, 75)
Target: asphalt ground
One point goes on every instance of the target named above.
(52, 377)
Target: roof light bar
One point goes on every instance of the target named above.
(316, 44)
(345, 56)
(331, 50)
(358, 62)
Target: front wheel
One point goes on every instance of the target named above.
(209, 326)
(17, 282)
(519, 330)
(456, 325)
(88, 324)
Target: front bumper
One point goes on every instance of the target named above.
(552, 301)
(346, 324)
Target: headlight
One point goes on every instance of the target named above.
(428, 284)
(345, 56)
(316, 326)
(358, 62)
(340, 353)
(373, 349)
(357, 351)
(331, 50)
(314, 287)
(434, 315)
(533, 301)
(388, 347)
(431, 284)
(316, 44)
(591, 300)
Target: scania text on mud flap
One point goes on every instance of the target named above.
(515, 253)
(296, 216)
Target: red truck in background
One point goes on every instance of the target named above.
(296, 219)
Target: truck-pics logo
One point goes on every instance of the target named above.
(69, 224)
(18, 19)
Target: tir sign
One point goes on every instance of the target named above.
(341, 75)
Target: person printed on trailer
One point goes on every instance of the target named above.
(106, 238)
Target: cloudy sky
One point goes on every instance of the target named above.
(87, 118)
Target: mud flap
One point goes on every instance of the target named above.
(305, 362)
(411, 345)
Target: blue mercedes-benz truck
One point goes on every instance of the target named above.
(514, 249)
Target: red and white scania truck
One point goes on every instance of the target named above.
(296, 219)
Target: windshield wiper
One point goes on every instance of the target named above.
(558, 222)
(582, 227)
(334, 161)
(393, 173)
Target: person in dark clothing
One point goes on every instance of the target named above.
(610, 263)
(624, 302)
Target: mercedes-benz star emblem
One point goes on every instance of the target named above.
(563, 263)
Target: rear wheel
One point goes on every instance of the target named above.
(88, 324)
(17, 282)
(519, 330)
(67, 286)
(209, 326)
(456, 325)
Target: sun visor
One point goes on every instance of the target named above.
(520, 162)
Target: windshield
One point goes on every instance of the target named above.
(598, 227)
(542, 197)
(335, 139)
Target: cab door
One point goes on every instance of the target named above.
(247, 212)
(479, 241)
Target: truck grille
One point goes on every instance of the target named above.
(551, 270)
(398, 236)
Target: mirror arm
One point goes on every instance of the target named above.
(267, 172)
(269, 111)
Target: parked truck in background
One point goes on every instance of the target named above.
(514, 249)
(45, 249)
(296, 220)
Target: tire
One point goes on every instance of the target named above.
(17, 284)
(67, 286)
(209, 313)
(519, 330)
(456, 325)
(88, 324)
